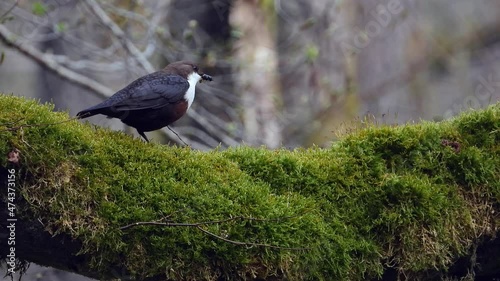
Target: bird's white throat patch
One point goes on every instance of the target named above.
(193, 78)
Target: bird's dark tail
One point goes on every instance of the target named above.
(87, 113)
(101, 108)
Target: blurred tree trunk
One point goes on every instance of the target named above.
(343, 99)
(257, 78)
(317, 75)
(423, 60)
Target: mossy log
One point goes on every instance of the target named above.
(412, 201)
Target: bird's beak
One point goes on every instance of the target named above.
(205, 77)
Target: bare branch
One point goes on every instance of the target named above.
(91, 65)
(37, 23)
(9, 10)
(47, 60)
(120, 34)
(126, 13)
(212, 129)
(66, 67)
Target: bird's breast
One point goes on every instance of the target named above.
(180, 109)
(193, 79)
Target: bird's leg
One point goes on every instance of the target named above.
(143, 135)
(178, 136)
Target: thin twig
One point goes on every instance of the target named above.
(248, 219)
(199, 225)
(28, 145)
(204, 222)
(157, 223)
(120, 34)
(34, 125)
(249, 244)
(9, 10)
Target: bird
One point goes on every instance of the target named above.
(153, 101)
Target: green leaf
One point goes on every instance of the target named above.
(312, 53)
(38, 9)
(61, 27)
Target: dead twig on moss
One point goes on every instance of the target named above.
(199, 226)
(18, 127)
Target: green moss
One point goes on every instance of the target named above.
(400, 196)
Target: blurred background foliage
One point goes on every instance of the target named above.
(286, 72)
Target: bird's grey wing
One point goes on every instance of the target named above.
(151, 91)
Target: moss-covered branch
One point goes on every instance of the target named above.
(411, 200)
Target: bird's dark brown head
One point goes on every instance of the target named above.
(184, 69)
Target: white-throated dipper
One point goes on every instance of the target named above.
(153, 101)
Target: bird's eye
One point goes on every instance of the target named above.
(195, 68)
